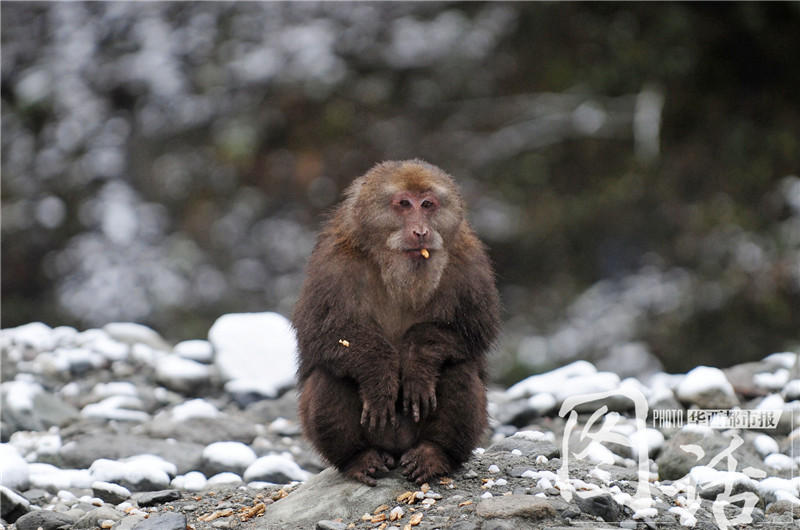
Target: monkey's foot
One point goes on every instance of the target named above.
(365, 464)
(423, 462)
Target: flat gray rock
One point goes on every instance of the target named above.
(329, 495)
(46, 520)
(203, 431)
(526, 506)
(163, 521)
(81, 451)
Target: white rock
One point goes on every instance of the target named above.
(133, 333)
(770, 486)
(192, 481)
(110, 349)
(486, 495)
(18, 394)
(230, 454)
(771, 381)
(494, 469)
(181, 374)
(535, 436)
(277, 465)
(224, 478)
(542, 402)
(765, 444)
(771, 402)
(32, 444)
(587, 384)
(791, 390)
(120, 408)
(706, 386)
(194, 408)
(785, 359)
(653, 440)
(256, 352)
(110, 487)
(780, 461)
(551, 382)
(14, 472)
(115, 388)
(197, 350)
(37, 336)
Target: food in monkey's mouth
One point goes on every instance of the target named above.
(344, 342)
(425, 253)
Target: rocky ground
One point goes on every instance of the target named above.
(114, 428)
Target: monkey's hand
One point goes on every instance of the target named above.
(378, 405)
(419, 393)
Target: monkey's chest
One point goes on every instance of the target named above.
(395, 320)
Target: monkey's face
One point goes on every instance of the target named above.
(415, 213)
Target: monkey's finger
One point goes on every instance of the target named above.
(415, 411)
(432, 402)
(364, 414)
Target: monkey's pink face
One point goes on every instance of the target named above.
(417, 214)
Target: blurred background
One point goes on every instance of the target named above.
(633, 167)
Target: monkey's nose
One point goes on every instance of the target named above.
(421, 232)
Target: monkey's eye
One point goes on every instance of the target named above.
(427, 204)
(405, 203)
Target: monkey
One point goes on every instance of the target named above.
(394, 320)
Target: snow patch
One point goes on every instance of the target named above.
(256, 352)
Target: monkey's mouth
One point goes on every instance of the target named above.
(422, 253)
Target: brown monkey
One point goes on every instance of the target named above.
(397, 312)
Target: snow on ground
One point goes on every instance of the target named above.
(133, 470)
(197, 350)
(14, 472)
(192, 481)
(255, 352)
(230, 454)
(194, 408)
(277, 465)
(552, 382)
(701, 380)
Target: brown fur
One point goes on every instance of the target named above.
(410, 387)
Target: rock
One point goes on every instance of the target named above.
(197, 350)
(632, 359)
(267, 410)
(36, 495)
(93, 518)
(330, 525)
(163, 521)
(53, 411)
(182, 375)
(132, 333)
(13, 468)
(278, 469)
(82, 450)
(708, 388)
(256, 352)
(136, 473)
(526, 506)
(219, 457)
(784, 506)
(673, 462)
(45, 520)
(109, 492)
(526, 447)
(202, 430)
(151, 498)
(600, 505)
(329, 495)
(12, 504)
(192, 481)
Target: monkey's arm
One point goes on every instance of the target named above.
(333, 337)
(466, 335)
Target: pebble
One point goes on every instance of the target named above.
(163, 521)
(152, 498)
(109, 492)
